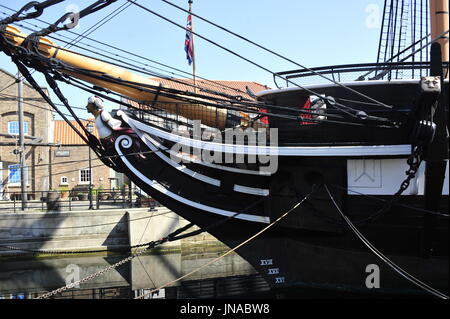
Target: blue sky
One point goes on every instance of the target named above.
(313, 33)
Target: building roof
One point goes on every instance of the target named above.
(65, 135)
(24, 81)
(208, 87)
(232, 88)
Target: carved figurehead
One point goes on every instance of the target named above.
(431, 84)
(110, 128)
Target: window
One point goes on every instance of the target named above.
(13, 127)
(64, 180)
(14, 176)
(85, 176)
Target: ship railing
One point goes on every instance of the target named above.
(354, 72)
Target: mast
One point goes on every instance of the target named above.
(436, 151)
(439, 25)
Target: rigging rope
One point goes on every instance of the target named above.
(39, 7)
(243, 58)
(358, 114)
(176, 235)
(385, 259)
(231, 250)
(278, 55)
(418, 209)
(214, 83)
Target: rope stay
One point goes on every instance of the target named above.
(39, 9)
(276, 54)
(385, 259)
(233, 249)
(175, 94)
(325, 99)
(356, 114)
(176, 235)
(418, 209)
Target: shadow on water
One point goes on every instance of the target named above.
(21, 273)
(13, 277)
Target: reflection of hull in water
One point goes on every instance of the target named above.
(310, 246)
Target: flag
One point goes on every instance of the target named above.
(188, 43)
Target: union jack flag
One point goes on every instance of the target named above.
(188, 43)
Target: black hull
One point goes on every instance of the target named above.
(312, 246)
(307, 250)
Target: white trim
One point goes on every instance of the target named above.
(160, 188)
(212, 165)
(150, 142)
(357, 151)
(64, 183)
(80, 182)
(196, 161)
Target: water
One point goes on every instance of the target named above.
(231, 276)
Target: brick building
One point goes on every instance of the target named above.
(38, 128)
(70, 162)
(56, 157)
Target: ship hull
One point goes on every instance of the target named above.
(288, 223)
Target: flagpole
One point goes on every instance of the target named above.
(193, 46)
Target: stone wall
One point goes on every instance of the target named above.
(94, 230)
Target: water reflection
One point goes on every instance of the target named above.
(229, 276)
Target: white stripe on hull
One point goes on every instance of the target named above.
(160, 188)
(354, 151)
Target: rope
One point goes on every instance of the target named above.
(390, 263)
(39, 7)
(150, 245)
(216, 84)
(280, 56)
(418, 209)
(230, 251)
(244, 58)
(357, 114)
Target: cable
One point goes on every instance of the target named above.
(274, 53)
(356, 115)
(390, 263)
(100, 23)
(229, 251)
(225, 87)
(395, 204)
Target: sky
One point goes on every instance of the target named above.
(312, 33)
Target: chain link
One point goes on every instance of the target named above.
(414, 161)
(92, 276)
